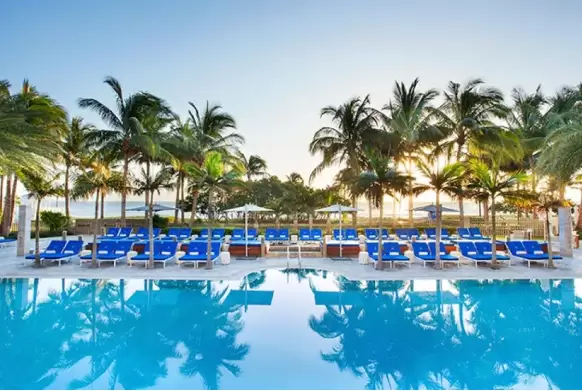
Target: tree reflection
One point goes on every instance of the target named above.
(492, 334)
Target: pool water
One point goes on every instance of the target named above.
(294, 329)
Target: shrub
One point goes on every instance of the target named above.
(161, 222)
(54, 221)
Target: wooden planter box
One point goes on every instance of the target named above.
(347, 251)
(239, 251)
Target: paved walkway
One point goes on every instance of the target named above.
(13, 267)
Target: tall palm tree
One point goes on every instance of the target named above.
(547, 203)
(445, 180)
(212, 176)
(355, 126)
(40, 185)
(74, 147)
(466, 117)
(254, 165)
(381, 179)
(151, 184)
(495, 183)
(210, 133)
(97, 178)
(122, 122)
(408, 120)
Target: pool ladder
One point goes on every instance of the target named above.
(298, 252)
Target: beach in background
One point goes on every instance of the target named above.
(86, 209)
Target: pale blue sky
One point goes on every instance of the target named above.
(274, 64)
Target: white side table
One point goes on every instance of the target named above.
(363, 259)
(224, 258)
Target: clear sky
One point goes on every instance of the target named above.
(274, 64)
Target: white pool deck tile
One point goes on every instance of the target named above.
(12, 266)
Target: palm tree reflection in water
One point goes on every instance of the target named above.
(491, 334)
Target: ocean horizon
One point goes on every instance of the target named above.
(86, 209)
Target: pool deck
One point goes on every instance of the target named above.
(12, 266)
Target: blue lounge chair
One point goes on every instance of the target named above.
(316, 234)
(390, 254)
(164, 251)
(351, 234)
(422, 252)
(304, 234)
(469, 251)
(444, 255)
(185, 233)
(4, 242)
(71, 250)
(283, 234)
(271, 234)
(218, 234)
(371, 233)
(54, 247)
(402, 233)
(104, 247)
(112, 233)
(431, 233)
(251, 233)
(337, 235)
(485, 249)
(124, 233)
(476, 233)
(117, 252)
(518, 251)
(203, 234)
(238, 234)
(197, 252)
(173, 234)
(535, 248)
(464, 233)
(143, 233)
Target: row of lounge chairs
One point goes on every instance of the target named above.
(475, 251)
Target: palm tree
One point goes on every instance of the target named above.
(150, 184)
(495, 183)
(212, 176)
(120, 138)
(465, 116)
(445, 180)
(74, 146)
(356, 126)
(408, 121)
(40, 185)
(547, 203)
(96, 179)
(209, 133)
(381, 179)
(254, 165)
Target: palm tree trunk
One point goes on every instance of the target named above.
(5, 214)
(102, 205)
(579, 222)
(550, 256)
(1, 193)
(410, 195)
(177, 197)
(438, 231)
(493, 233)
(95, 229)
(461, 206)
(486, 211)
(355, 214)
(66, 193)
(150, 217)
(124, 189)
(394, 217)
(370, 212)
(380, 263)
(13, 201)
(37, 234)
(183, 196)
(209, 242)
(194, 205)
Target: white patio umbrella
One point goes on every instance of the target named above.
(246, 209)
(340, 209)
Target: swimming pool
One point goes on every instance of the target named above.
(290, 329)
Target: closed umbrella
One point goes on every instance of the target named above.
(246, 209)
(340, 209)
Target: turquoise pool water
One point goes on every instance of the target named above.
(290, 329)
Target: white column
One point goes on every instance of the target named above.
(23, 242)
(565, 231)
